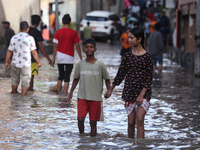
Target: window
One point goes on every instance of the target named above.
(91, 18)
(114, 17)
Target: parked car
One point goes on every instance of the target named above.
(104, 24)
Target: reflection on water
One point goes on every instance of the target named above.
(45, 120)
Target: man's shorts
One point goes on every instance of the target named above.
(130, 106)
(34, 68)
(93, 107)
(25, 74)
(158, 58)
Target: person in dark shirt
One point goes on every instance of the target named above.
(9, 32)
(155, 47)
(166, 33)
(164, 20)
(33, 31)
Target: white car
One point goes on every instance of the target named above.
(104, 24)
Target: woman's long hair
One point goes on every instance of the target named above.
(138, 33)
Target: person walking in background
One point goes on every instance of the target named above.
(143, 17)
(152, 23)
(146, 26)
(137, 69)
(131, 20)
(127, 4)
(90, 72)
(54, 23)
(165, 28)
(51, 21)
(135, 10)
(123, 18)
(155, 47)
(146, 29)
(21, 46)
(9, 33)
(87, 32)
(64, 41)
(124, 42)
(150, 15)
(164, 20)
(166, 33)
(37, 35)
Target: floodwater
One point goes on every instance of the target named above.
(43, 120)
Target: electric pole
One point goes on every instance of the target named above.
(57, 20)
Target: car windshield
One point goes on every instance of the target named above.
(95, 18)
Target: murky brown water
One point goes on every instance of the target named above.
(43, 120)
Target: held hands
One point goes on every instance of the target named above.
(53, 62)
(50, 62)
(107, 94)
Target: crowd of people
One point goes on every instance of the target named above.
(136, 67)
(141, 27)
(146, 14)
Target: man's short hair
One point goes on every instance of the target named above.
(89, 40)
(23, 26)
(6, 22)
(157, 26)
(136, 24)
(66, 19)
(35, 19)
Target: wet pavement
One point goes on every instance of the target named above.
(43, 120)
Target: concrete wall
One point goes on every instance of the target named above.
(184, 59)
(68, 7)
(16, 11)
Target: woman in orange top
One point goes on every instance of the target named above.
(124, 42)
(151, 25)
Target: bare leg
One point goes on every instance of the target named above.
(59, 86)
(31, 83)
(24, 90)
(140, 122)
(93, 125)
(160, 68)
(131, 124)
(81, 125)
(14, 89)
(66, 86)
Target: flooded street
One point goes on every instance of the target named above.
(43, 120)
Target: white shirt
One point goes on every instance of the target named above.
(63, 58)
(21, 45)
(135, 9)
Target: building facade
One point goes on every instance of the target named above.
(15, 11)
(187, 51)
